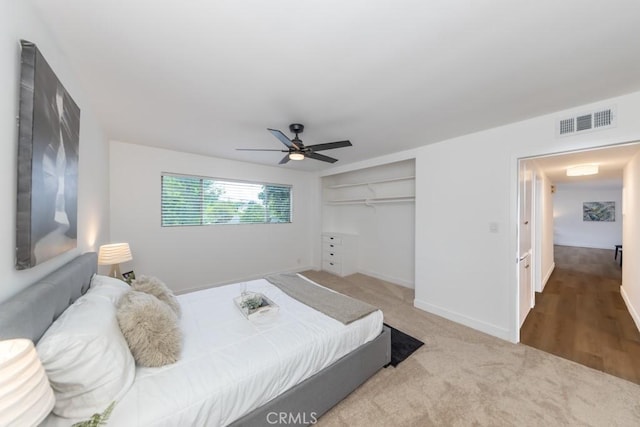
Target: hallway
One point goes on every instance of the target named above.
(581, 315)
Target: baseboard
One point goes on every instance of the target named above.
(631, 308)
(585, 245)
(476, 324)
(243, 279)
(547, 276)
(394, 280)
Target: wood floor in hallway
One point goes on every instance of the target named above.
(581, 315)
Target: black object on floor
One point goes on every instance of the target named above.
(402, 346)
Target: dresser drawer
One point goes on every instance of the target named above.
(335, 240)
(330, 247)
(332, 267)
(332, 256)
(339, 253)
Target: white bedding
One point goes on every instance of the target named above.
(230, 365)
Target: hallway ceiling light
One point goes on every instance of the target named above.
(582, 170)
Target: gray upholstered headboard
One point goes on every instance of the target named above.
(29, 313)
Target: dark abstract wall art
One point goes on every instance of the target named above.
(48, 146)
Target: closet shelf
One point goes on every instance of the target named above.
(382, 181)
(373, 201)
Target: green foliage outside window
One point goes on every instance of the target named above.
(278, 203)
(204, 201)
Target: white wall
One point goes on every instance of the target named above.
(19, 21)
(571, 230)
(464, 272)
(386, 232)
(188, 258)
(631, 238)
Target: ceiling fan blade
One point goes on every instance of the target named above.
(320, 157)
(282, 137)
(260, 149)
(284, 160)
(330, 145)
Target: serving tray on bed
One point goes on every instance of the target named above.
(266, 307)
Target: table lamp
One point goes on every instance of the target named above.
(113, 255)
(26, 397)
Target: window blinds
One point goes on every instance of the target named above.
(190, 200)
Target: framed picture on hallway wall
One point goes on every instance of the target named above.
(48, 142)
(599, 211)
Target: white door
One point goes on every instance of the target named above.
(536, 232)
(524, 240)
(525, 287)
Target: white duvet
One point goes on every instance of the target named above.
(230, 365)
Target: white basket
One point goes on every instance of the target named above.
(268, 307)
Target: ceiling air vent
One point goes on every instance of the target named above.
(567, 126)
(600, 119)
(583, 122)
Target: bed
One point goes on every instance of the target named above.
(306, 388)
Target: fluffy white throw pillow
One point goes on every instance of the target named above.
(151, 329)
(86, 358)
(153, 286)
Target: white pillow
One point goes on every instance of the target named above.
(109, 287)
(86, 357)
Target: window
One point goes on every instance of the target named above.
(192, 200)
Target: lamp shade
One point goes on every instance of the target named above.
(26, 397)
(114, 253)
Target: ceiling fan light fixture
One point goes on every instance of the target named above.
(296, 150)
(582, 170)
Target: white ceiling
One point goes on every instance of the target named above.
(610, 161)
(209, 76)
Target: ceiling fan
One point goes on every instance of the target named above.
(296, 150)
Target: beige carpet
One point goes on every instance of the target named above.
(462, 377)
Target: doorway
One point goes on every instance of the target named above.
(577, 315)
